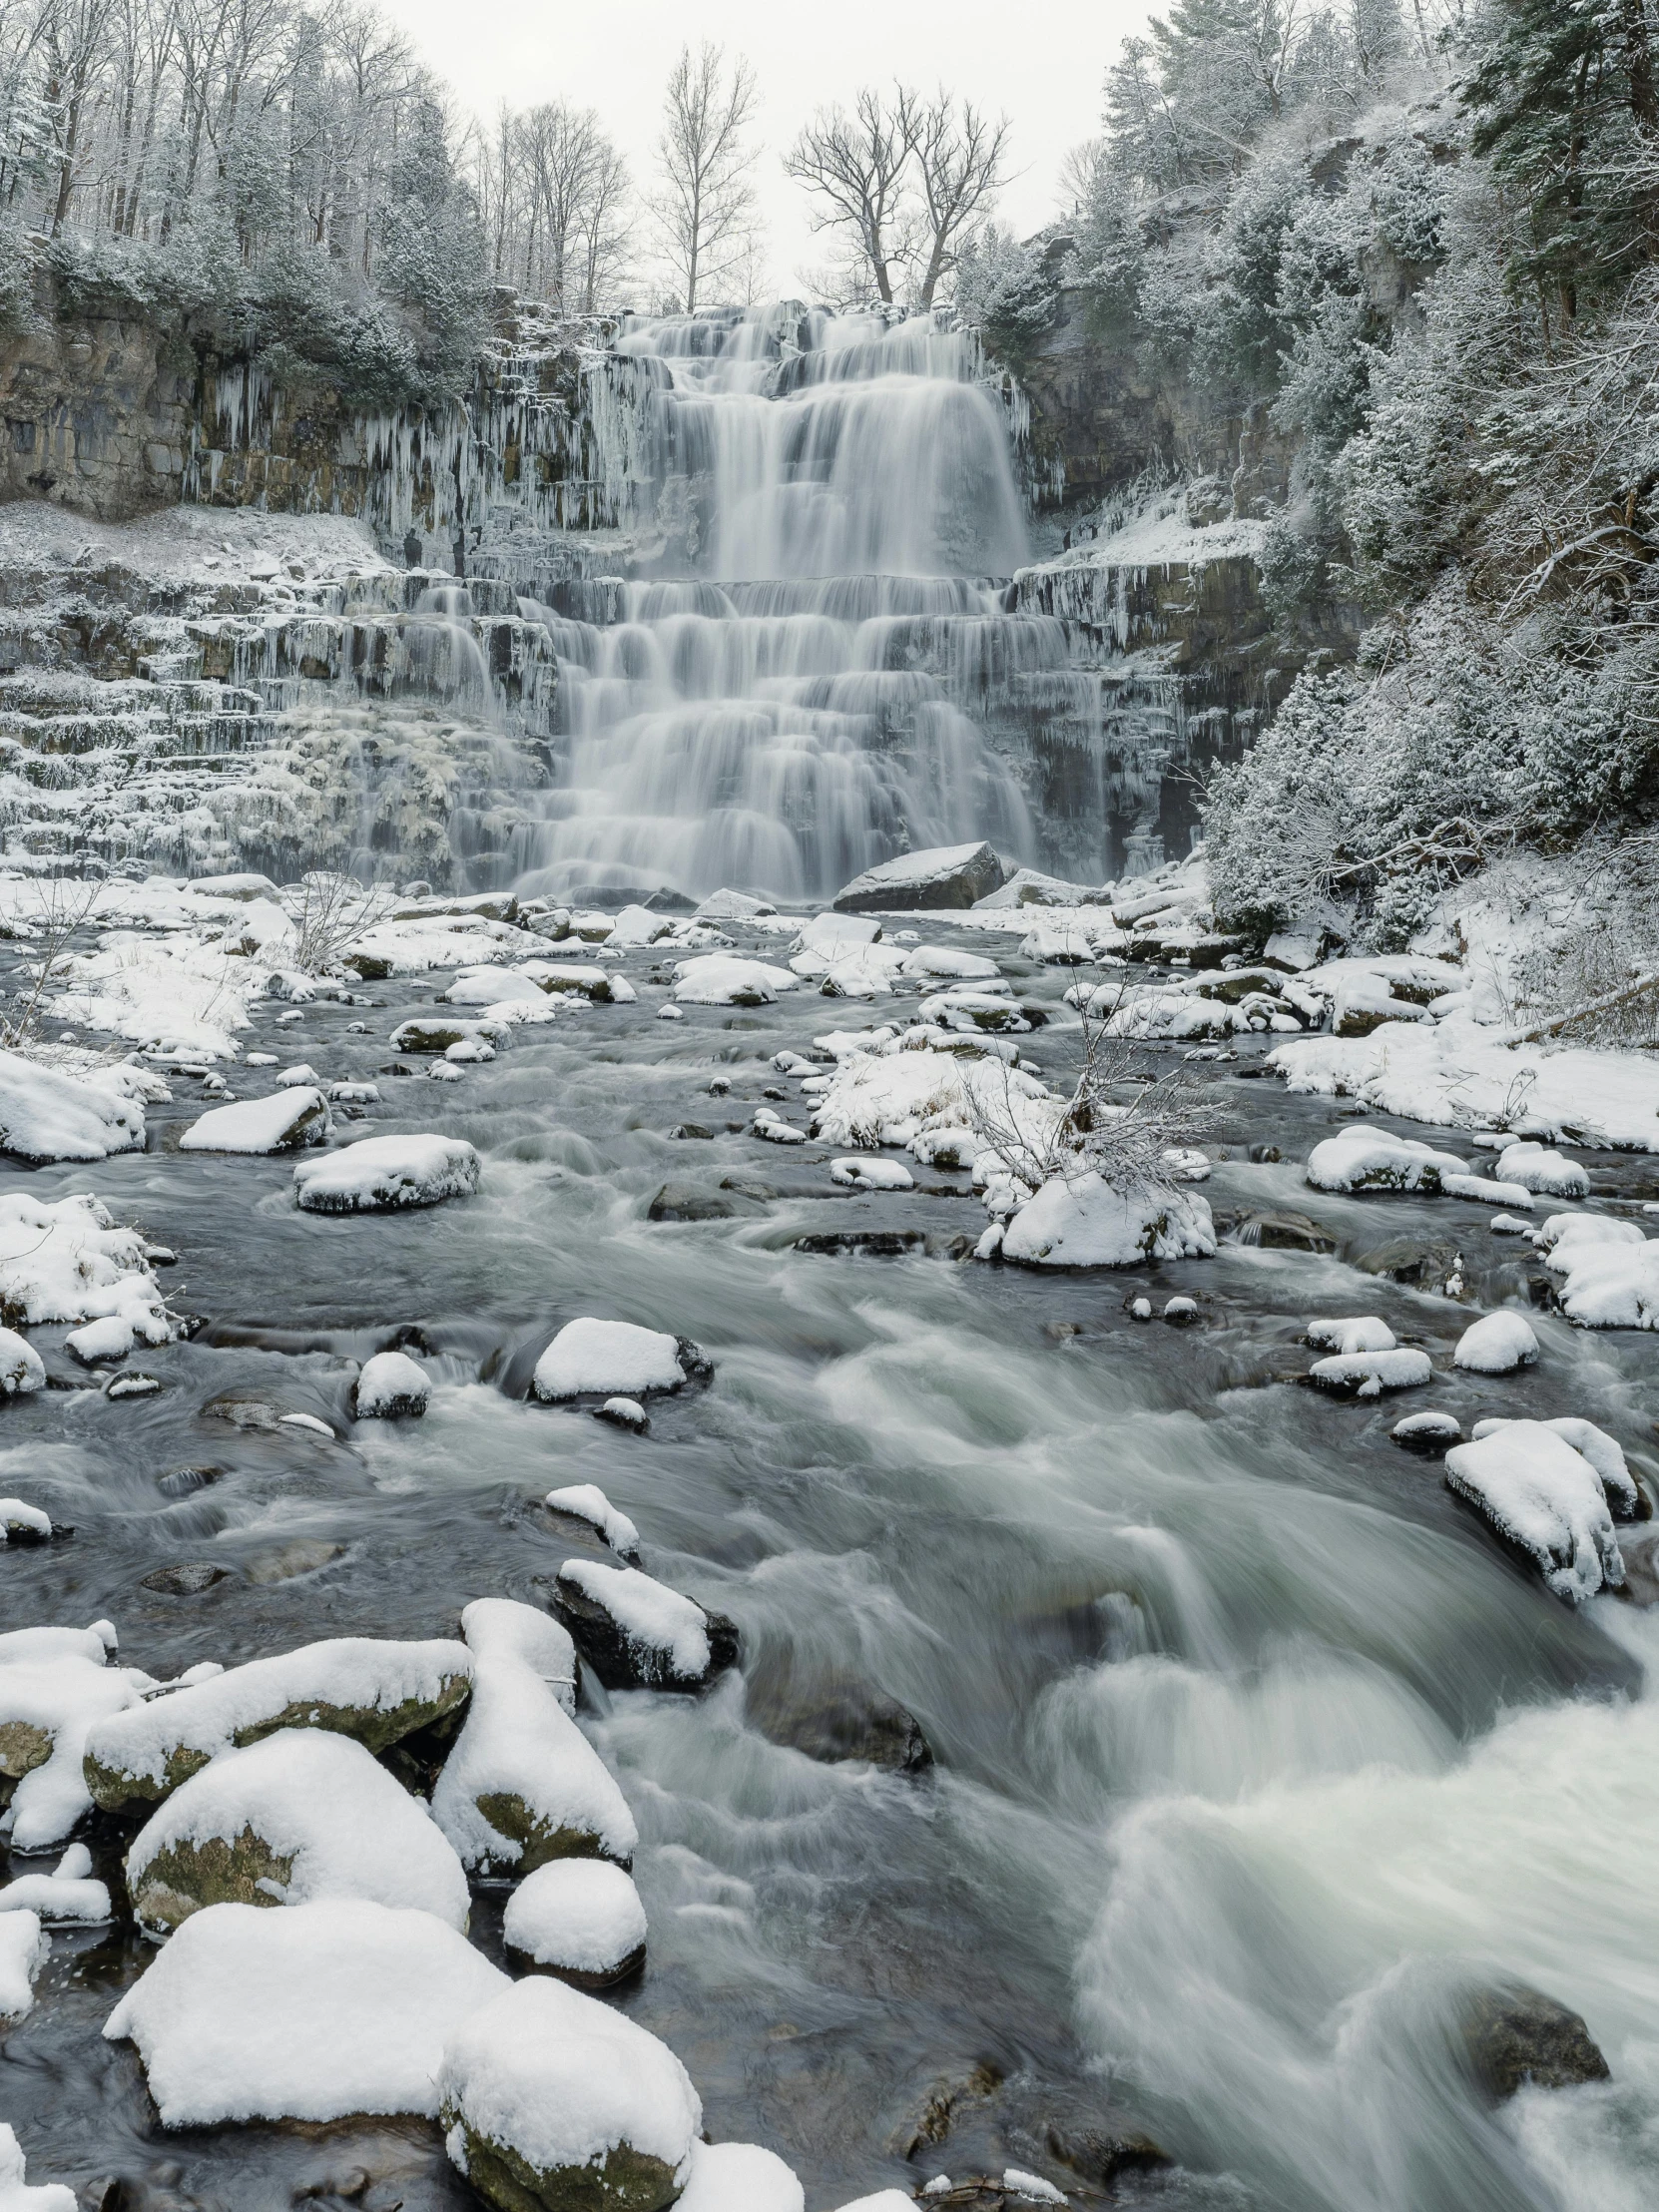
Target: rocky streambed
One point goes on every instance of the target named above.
(1137, 1769)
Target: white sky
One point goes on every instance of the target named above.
(1043, 64)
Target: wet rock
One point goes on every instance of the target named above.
(1266, 1155)
(1424, 1262)
(1101, 2156)
(243, 1413)
(685, 1202)
(1282, 1230)
(930, 2122)
(636, 1633)
(847, 1721)
(1516, 2036)
(866, 1243)
(691, 1132)
(945, 875)
(749, 1186)
(304, 1556)
(186, 1481)
(188, 1579)
(392, 1386)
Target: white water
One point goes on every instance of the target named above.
(803, 702)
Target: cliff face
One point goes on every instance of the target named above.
(96, 417)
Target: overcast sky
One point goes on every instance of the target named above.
(1044, 65)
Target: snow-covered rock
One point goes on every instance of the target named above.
(505, 1628)
(54, 1688)
(830, 935)
(587, 1501)
(523, 1784)
(1604, 1454)
(727, 906)
(69, 1262)
(1545, 1498)
(108, 1339)
(1535, 1167)
(623, 1412)
(301, 1815)
(44, 1115)
(1564, 1239)
(286, 1121)
(489, 986)
(947, 964)
(1361, 1157)
(1370, 1374)
(392, 1386)
(23, 1523)
(742, 2177)
(591, 1358)
(580, 1919)
(1079, 1220)
(1610, 1286)
(314, 2012)
(1497, 1344)
(362, 1686)
(20, 1367)
(16, 2195)
(24, 1950)
(1427, 1432)
(872, 1175)
(546, 2091)
(383, 1174)
(966, 1008)
(1352, 1332)
(723, 979)
(636, 1632)
(573, 980)
(897, 1095)
(69, 1894)
(944, 876)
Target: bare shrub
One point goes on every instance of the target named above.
(68, 903)
(328, 911)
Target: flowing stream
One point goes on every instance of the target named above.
(1254, 1751)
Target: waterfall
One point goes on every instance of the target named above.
(807, 693)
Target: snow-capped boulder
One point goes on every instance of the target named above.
(523, 1784)
(1079, 1220)
(286, 1121)
(723, 979)
(23, 1523)
(384, 1174)
(1537, 1168)
(377, 1691)
(69, 1894)
(48, 1116)
(569, 979)
(580, 1919)
(1497, 1344)
(1604, 1454)
(1546, 1499)
(947, 964)
(970, 1010)
(1352, 1332)
(16, 2195)
(301, 1815)
(872, 1175)
(1428, 1432)
(728, 905)
(1607, 1285)
(742, 2177)
(54, 1688)
(552, 2099)
(438, 1032)
(490, 986)
(20, 1367)
(944, 876)
(586, 1501)
(635, 1632)
(315, 2013)
(1370, 1374)
(24, 1950)
(1359, 1158)
(391, 1386)
(602, 1359)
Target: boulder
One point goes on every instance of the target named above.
(48, 1116)
(579, 1919)
(685, 1202)
(845, 1720)
(740, 2177)
(945, 875)
(1424, 1262)
(287, 1121)
(606, 1358)
(637, 1633)
(392, 1386)
(386, 1174)
(299, 1816)
(1516, 2036)
(554, 2103)
(355, 1686)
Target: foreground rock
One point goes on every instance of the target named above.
(392, 1386)
(384, 1174)
(286, 1121)
(1081, 1222)
(1548, 1499)
(523, 1786)
(579, 1919)
(1498, 1344)
(637, 1633)
(300, 1817)
(1517, 2038)
(609, 1358)
(553, 2102)
(355, 1686)
(314, 2012)
(48, 1116)
(944, 876)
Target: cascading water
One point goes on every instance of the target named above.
(806, 699)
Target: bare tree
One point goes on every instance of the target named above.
(960, 158)
(603, 228)
(859, 167)
(705, 201)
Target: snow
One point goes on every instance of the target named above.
(1604, 1454)
(51, 1681)
(18, 1516)
(486, 986)
(1509, 1224)
(1548, 1173)
(1564, 1238)
(654, 1618)
(20, 1367)
(571, 979)
(282, 1122)
(831, 934)
(1355, 1333)
(1485, 1192)
(1445, 1425)
(323, 1802)
(927, 878)
(314, 2012)
(46, 1115)
(872, 1175)
(15, 2193)
(359, 1681)
(382, 1174)
(728, 905)
(392, 1386)
(520, 1758)
(583, 1914)
(885, 2200)
(740, 2177)
(1370, 1374)
(768, 1126)
(440, 941)
(291, 1078)
(1361, 1157)
(1081, 1222)
(171, 991)
(561, 2079)
(67, 1261)
(587, 1501)
(720, 980)
(637, 927)
(1454, 1074)
(68, 1893)
(1611, 1286)
(895, 1095)
(24, 1947)
(504, 1628)
(947, 963)
(1545, 1497)
(110, 1339)
(625, 1412)
(966, 1009)
(1498, 1344)
(597, 1358)
(1030, 2188)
